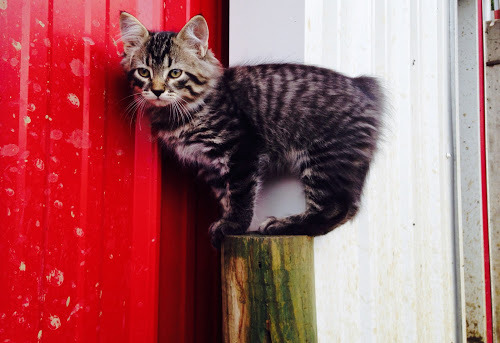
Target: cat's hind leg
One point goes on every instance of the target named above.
(313, 222)
(329, 204)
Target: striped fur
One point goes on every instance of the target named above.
(242, 124)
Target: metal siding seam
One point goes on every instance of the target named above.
(407, 218)
(460, 331)
(416, 106)
(23, 98)
(46, 211)
(23, 111)
(84, 174)
(104, 159)
(446, 163)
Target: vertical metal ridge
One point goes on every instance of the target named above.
(84, 170)
(105, 158)
(23, 106)
(445, 158)
(414, 124)
(104, 163)
(459, 305)
(46, 210)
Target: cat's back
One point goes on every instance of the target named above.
(272, 76)
(295, 100)
(299, 86)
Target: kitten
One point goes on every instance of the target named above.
(239, 124)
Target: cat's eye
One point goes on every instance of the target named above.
(175, 73)
(143, 72)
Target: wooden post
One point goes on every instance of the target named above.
(268, 289)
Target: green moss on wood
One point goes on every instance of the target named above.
(268, 289)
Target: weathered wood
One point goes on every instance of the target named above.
(268, 289)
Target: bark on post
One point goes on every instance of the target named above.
(268, 289)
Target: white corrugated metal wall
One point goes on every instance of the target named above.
(391, 278)
(390, 275)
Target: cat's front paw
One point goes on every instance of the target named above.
(222, 228)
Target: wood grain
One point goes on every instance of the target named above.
(268, 289)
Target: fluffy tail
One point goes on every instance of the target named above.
(372, 88)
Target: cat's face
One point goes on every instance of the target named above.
(165, 68)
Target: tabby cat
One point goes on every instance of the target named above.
(239, 125)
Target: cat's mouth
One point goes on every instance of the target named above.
(156, 100)
(160, 102)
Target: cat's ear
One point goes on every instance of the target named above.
(133, 33)
(195, 35)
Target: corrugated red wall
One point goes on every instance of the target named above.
(101, 239)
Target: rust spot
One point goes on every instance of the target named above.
(473, 334)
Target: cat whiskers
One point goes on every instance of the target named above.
(173, 112)
(136, 105)
(184, 108)
(140, 112)
(130, 109)
(128, 96)
(179, 111)
(199, 102)
(181, 114)
(178, 116)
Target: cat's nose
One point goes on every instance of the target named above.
(157, 92)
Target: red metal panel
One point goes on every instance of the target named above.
(80, 196)
(79, 203)
(23, 181)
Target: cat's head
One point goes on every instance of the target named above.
(167, 68)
